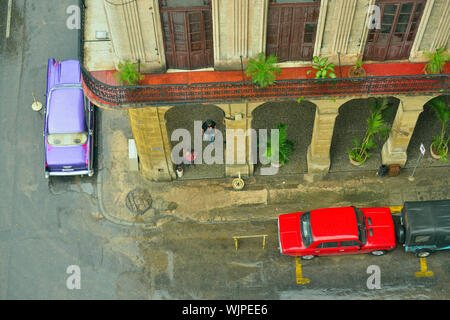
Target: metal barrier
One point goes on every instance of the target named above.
(236, 238)
(226, 92)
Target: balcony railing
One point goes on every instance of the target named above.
(226, 92)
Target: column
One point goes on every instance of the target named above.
(239, 29)
(136, 34)
(238, 122)
(318, 155)
(409, 109)
(149, 131)
(344, 21)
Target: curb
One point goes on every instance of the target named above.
(275, 197)
(112, 219)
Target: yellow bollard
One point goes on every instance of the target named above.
(396, 209)
(423, 270)
(299, 273)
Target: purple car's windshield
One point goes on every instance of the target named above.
(67, 139)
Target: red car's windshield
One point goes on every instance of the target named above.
(305, 228)
(362, 231)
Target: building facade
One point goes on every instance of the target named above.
(222, 35)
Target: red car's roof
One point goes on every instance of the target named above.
(334, 223)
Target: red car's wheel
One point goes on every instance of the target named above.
(378, 252)
(308, 257)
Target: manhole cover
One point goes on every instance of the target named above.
(138, 201)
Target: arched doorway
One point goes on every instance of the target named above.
(184, 117)
(299, 118)
(427, 127)
(351, 123)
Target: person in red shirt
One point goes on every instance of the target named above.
(189, 156)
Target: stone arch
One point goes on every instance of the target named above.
(427, 126)
(300, 120)
(183, 117)
(351, 123)
(409, 109)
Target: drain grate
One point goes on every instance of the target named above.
(138, 201)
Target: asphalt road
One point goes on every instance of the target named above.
(45, 226)
(199, 261)
(48, 225)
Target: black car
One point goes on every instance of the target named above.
(425, 227)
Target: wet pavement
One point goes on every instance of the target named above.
(188, 250)
(45, 225)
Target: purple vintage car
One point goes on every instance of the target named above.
(69, 122)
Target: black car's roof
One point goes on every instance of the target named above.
(427, 217)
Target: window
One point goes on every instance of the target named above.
(327, 245)
(183, 3)
(292, 1)
(422, 239)
(399, 23)
(350, 243)
(291, 29)
(362, 231)
(67, 139)
(305, 229)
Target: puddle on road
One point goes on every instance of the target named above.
(83, 185)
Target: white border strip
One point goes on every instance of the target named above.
(8, 19)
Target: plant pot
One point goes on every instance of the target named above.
(354, 162)
(436, 155)
(276, 165)
(356, 73)
(179, 172)
(428, 72)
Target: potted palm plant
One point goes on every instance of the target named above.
(439, 146)
(437, 61)
(285, 147)
(128, 74)
(357, 70)
(375, 127)
(262, 70)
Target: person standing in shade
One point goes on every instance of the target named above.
(209, 131)
(189, 156)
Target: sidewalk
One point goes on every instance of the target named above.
(263, 197)
(209, 200)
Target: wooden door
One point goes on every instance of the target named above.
(399, 23)
(187, 36)
(291, 30)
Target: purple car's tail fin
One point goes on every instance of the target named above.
(64, 72)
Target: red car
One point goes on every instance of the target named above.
(336, 231)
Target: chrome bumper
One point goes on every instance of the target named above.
(90, 173)
(279, 240)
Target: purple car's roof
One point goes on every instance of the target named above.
(66, 111)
